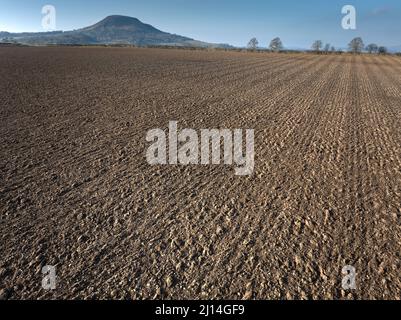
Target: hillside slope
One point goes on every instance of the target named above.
(114, 29)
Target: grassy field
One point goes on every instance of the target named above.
(77, 192)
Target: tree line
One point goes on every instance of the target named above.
(275, 45)
(355, 46)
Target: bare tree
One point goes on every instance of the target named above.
(276, 45)
(333, 49)
(356, 45)
(317, 45)
(327, 48)
(372, 48)
(382, 50)
(253, 44)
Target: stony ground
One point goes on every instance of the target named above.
(77, 192)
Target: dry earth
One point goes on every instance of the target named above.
(76, 190)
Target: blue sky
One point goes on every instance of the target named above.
(297, 22)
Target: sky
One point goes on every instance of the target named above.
(297, 22)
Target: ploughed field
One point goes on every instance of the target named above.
(77, 192)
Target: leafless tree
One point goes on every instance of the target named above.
(382, 50)
(317, 45)
(372, 48)
(253, 44)
(276, 45)
(356, 45)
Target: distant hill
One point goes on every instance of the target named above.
(111, 30)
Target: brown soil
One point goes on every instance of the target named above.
(76, 190)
